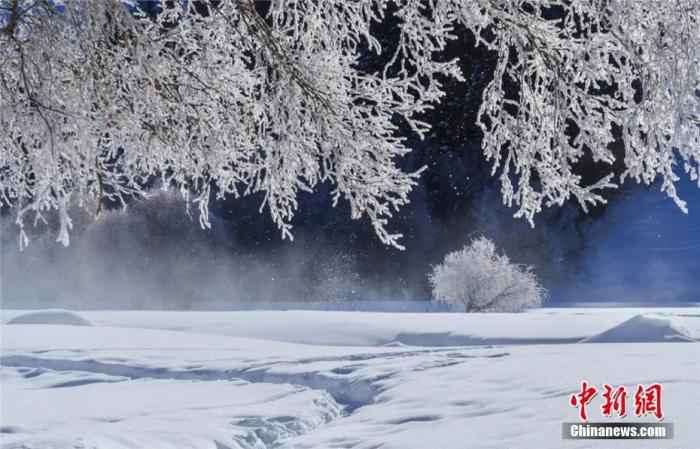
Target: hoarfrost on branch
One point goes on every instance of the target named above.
(226, 97)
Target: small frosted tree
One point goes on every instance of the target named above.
(480, 279)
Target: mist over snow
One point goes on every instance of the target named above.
(154, 255)
(640, 250)
(643, 250)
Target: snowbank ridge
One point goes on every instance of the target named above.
(643, 329)
(62, 317)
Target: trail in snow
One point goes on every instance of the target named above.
(101, 411)
(351, 394)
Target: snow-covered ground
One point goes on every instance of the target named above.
(258, 380)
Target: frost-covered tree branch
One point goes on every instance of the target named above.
(230, 97)
(211, 96)
(583, 70)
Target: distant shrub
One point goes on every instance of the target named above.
(479, 279)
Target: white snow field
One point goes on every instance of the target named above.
(338, 380)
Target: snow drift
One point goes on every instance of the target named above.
(125, 387)
(63, 317)
(643, 329)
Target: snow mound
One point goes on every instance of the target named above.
(643, 329)
(63, 317)
(395, 344)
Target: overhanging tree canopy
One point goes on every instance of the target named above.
(226, 96)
